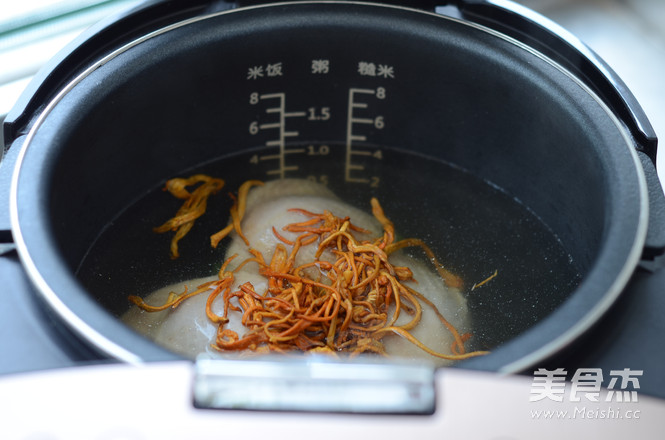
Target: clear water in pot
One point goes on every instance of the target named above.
(472, 226)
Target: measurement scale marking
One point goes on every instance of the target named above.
(367, 91)
(357, 180)
(351, 137)
(271, 95)
(362, 121)
(280, 142)
(281, 171)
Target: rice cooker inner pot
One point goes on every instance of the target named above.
(454, 91)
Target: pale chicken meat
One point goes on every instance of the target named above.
(188, 331)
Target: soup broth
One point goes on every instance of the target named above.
(473, 228)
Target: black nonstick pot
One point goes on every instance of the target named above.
(372, 99)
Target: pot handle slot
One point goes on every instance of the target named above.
(313, 384)
(7, 165)
(655, 241)
(561, 46)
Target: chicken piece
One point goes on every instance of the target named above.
(187, 330)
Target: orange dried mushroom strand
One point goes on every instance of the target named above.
(485, 281)
(347, 310)
(344, 308)
(237, 214)
(194, 206)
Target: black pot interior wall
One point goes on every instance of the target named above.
(480, 103)
(476, 101)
